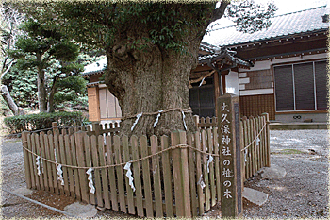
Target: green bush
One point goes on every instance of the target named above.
(43, 120)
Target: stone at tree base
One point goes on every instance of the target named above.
(81, 210)
(273, 172)
(254, 196)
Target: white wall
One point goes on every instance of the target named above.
(232, 83)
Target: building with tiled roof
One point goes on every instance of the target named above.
(288, 79)
(280, 70)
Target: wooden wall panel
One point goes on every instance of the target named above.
(94, 104)
(261, 79)
(257, 104)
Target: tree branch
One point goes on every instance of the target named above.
(218, 12)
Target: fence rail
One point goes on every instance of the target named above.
(163, 176)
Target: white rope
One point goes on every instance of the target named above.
(136, 121)
(129, 175)
(158, 115)
(90, 178)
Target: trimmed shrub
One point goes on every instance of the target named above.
(43, 120)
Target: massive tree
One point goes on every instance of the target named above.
(151, 48)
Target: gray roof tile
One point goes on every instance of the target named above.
(305, 21)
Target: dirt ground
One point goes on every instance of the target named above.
(302, 193)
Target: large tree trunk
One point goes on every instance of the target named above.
(11, 104)
(150, 81)
(41, 87)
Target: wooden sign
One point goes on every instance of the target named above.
(231, 184)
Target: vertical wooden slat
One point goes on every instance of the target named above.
(58, 159)
(146, 177)
(267, 140)
(103, 172)
(129, 190)
(217, 162)
(185, 174)
(119, 171)
(181, 175)
(241, 144)
(31, 157)
(205, 174)
(245, 152)
(83, 181)
(69, 162)
(261, 145)
(192, 180)
(63, 161)
(52, 157)
(211, 167)
(167, 177)
(75, 171)
(44, 164)
(95, 163)
(35, 171)
(111, 174)
(177, 178)
(49, 164)
(253, 147)
(156, 177)
(258, 145)
(89, 163)
(199, 174)
(249, 129)
(26, 161)
(38, 148)
(137, 178)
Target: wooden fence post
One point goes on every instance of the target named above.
(230, 160)
(26, 161)
(196, 121)
(267, 164)
(96, 128)
(181, 175)
(55, 128)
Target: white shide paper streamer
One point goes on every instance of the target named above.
(184, 122)
(158, 115)
(201, 82)
(129, 175)
(201, 182)
(38, 163)
(90, 178)
(208, 163)
(60, 174)
(136, 121)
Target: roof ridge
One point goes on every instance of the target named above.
(294, 12)
(289, 13)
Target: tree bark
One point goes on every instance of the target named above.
(152, 80)
(41, 86)
(51, 105)
(11, 103)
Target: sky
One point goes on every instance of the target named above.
(285, 6)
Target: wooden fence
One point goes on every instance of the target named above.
(254, 137)
(162, 176)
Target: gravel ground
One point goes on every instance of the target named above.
(302, 193)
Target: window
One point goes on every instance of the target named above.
(301, 86)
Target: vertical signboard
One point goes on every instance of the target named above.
(228, 128)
